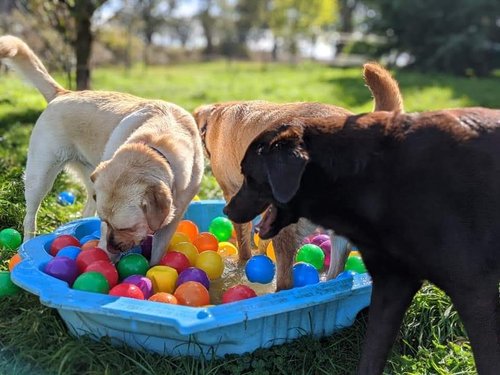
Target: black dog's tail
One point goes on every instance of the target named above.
(384, 88)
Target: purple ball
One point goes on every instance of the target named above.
(142, 282)
(327, 248)
(146, 246)
(62, 268)
(193, 274)
(319, 239)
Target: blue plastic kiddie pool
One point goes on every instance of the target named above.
(237, 327)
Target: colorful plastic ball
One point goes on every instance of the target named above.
(238, 293)
(164, 278)
(164, 298)
(132, 264)
(147, 246)
(304, 274)
(206, 241)
(319, 239)
(355, 264)
(270, 251)
(177, 237)
(62, 268)
(188, 249)
(256, 239)
(90, 245)
(192, 293)
(7, 287)
(10, 238)
(345, 275)
(193, 274)
(260, 269)
(69, 251)
(106, 268)
(16, 258)
(88, 238)
(311, 254)
(196, 198)
(90, 256)
(326, 246)
(91, 282)
(62, 241)
(126, 290)
(175, 260)
(227, 249)
(189, 229)
(221, 227)
(212, 263)
(66, 198)
(144, 284)
(354, 253)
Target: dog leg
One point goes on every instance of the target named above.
(479, 308)
(243, 237)
(391, 296)
(285, 243)
(338, 255)
(83, 174)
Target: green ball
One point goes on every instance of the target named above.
(312, 255)
(10, 238)
(92, 282)
(7, 287)
(355, 263)
(222, 228)
(132, 264)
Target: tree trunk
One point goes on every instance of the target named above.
(346, 17)
(83, 47)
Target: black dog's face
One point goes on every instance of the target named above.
(272, 168)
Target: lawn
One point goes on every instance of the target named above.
(33, 339)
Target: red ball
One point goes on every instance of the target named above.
(237, 293)
(175, 260)
(127, 290)
(89, 256)
(106, 268)
(63, 241)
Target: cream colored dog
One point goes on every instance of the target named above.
(227, 129)
(148, 155)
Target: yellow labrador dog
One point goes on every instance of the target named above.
(227, 129)
(148, 155)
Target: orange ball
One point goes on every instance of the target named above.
(206, 241)
(188, 228)
(163, 297)
(90, 244)
(270, 251)
(192, 293)
(14, 260)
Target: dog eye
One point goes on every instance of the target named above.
(94, 197)
(260, 149)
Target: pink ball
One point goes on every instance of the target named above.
(238, 293)
(326, 246)
(319, 239)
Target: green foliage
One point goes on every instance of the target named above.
(455, 36)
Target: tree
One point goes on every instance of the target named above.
(73, 20)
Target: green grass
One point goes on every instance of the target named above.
(34, 340)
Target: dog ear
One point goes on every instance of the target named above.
(98, 170)
(285, 163)
(202, 113)
(157, 205)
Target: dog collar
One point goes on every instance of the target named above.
(158, 152)
(203, 134)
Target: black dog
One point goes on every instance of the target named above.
(418, 194)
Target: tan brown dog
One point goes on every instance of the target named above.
(227, 129)
(152, 153)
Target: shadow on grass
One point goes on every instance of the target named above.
(8, 119)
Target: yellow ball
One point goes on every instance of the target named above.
(212, 263)
(270, 251)
(227, 249)
(354, 253)
(163, 278)
(256, 239)
(196, 198)
(188, 249)
(177, 238)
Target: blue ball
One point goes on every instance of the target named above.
(304, 274)
(345, 275)
(69, 251)
(88, 238)
(66, 198)
(260, 269)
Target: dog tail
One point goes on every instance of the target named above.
(17, 54)
(384, 88)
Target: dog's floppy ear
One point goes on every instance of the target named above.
(98, 170)
(157, 205)
(202, 113)
(285, 163)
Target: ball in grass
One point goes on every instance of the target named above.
(132, 264)
(10, 238)
(192, 293)
(304, 274)
(66, 198)
(7, 287)
(355, 263)
(62, 268)
(144, 284)
(16, 258)
(91, 282)
(311, 254)
(221, 227)
(238, 293)
(260, 269)
(127, 290)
